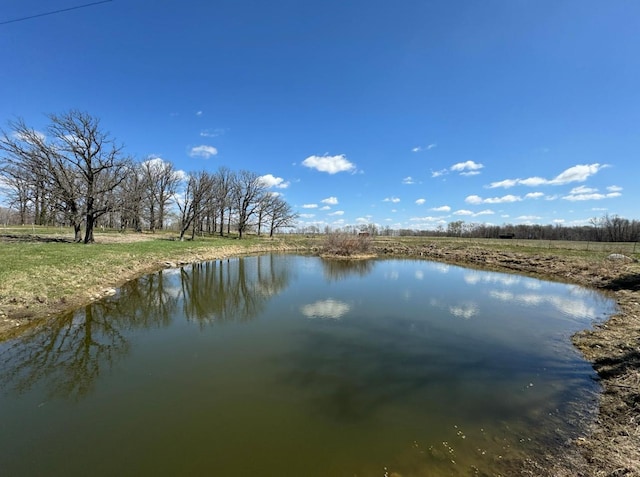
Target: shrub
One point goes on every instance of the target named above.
(346, 244)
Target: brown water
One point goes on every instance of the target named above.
(295, 366)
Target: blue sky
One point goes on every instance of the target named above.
(407, 114)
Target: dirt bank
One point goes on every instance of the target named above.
(611, 448)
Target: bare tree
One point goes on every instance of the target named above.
(248, 191)
(280, 214)
(192, 201)
(161, 180)
(93, 154)
(74, 163)
(222, 185)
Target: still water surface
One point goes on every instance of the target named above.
(284, 365)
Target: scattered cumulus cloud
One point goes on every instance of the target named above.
(269, 180)
(439, 173)
(442, 208)
(325, 207)
(393, 200)
(329, 164)
(423, 148)
(468, 168)
(199, 113)
(463, 212)
(578, 173)
(528, 217)
(337, 212)
(330, 201)
(408, 180)
(427, 219)
(310, 206)
(203, 151)
(474, 214)
(306, 216)
(534, 195)
(476, 199)
(420, 201)
(581, 193)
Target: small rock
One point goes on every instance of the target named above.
(618, 257)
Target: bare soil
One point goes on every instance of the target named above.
(611, 447)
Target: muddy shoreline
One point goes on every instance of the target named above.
(611, 448)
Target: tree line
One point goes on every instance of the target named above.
(608, 228)
(75, 174)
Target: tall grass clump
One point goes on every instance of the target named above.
(346, 245)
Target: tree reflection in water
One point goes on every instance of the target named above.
(232, 290)
(69, 353)
(338, 269)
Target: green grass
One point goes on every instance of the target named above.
(49, 272)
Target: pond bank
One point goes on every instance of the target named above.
(612, 448)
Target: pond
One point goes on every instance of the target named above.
(281, 365)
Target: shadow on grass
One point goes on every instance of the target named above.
(33, 238)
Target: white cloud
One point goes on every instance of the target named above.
(329, 164)
(475, 199)
(337, 212)
(213, 132)
(533, 195)
(326, 207)
(614, 188)
(198, 113)
(203, 151)
(507, 183)
(330, 201)
(408, 180)
(579, 173)
(589, 194)
(484, 212)
(474, 214)
(528, 217)
(429, 219)
(310, 206)
(420, 201)
(467, 168)
(443, 208)
(439, 173)
(423, 148)
(269, 180)
(306, 216)
(393, 200)
(583, 190)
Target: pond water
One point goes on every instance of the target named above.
(283, 365)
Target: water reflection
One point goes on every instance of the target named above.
(232, 290)
(70, 352)
(336, 269)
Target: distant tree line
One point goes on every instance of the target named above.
(608, 228)
(75, 174)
